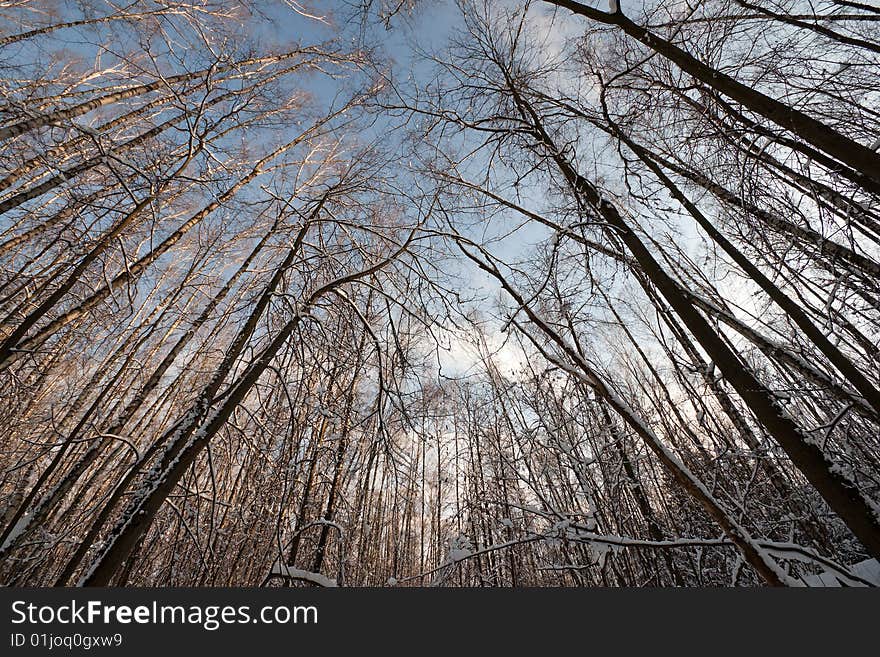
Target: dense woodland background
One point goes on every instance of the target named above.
(494, 293)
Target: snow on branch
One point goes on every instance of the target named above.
(289, 572)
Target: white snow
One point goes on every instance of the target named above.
(20, 526)
(457, 555)
(318, 579)
(460, 547)
(868, 570)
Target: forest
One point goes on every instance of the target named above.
(468, 293)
